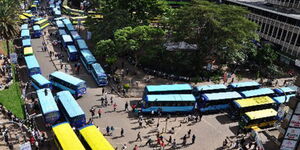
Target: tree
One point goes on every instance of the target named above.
(120, 14)
(9, 28)
(135, 41)
(106, 49)
(217, 29)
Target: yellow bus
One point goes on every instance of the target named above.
(28, 51)
(260, 118)
(240, 106)
(28, 15)
(65, 138)
(43, 23)
(82, 19)
(23, 18)
(93, 139)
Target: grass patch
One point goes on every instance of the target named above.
(11, 97)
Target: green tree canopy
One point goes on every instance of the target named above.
(9, 27)
(218, 30)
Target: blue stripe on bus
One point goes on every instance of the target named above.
(64, 87)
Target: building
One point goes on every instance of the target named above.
(279, 22)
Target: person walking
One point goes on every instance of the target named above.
(138, 136)
(124, 147)
(107, 130)
(184, 140)
(61, 65)
(115, 106)
(170, 140)
(193, 138)
(174, 144)
(122, 132)
(103, 91)
(126, 106)
(149, 142)
(135, 147)
(66, 68)
(189, 133)
(112, 130)
(99, 113)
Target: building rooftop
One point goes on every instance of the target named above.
(263, 5)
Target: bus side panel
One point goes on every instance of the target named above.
(78, 121)
(35, 86)
(52, 117)
(62, 87)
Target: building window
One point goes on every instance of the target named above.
(298, 42)
(294, 38)
(270, 30)
(288, 36)
(275, 31)
(283, 35)
(279, 34)
(266, 30)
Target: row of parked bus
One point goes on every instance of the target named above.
(37, 24)
(238, 99)
(77, 48)
(62, 111)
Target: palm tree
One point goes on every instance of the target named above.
(9, 27)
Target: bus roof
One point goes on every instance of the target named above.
(257, 92)
(168, 87)
(24, 27)
(81, 44)
(69, 142)
(26, 42)
(75, 35)
(41, 21)
(70, 27)
(47, 102)
(25, 33)
(171, 98)
(36, 27)
(72, 107)
(67, 38)
(244, 84)
(22, 17)
(281, 99)
(28, 51)
(98, 69)
(88, 56)
(62, 32)
(37, 19)
(66, 21)
(60, 24)
(68, 78)
(264, 113)
(285, 90)
(72, 48)
(221, 96)
(211, 87)
(95, 138)
(40, 79)
(28, 15)
(57, 12)
(31, 62)
(248, 102)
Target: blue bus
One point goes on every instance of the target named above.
(37, 32)
(65, 81)
(283, 99)
(66, 21)
(169, 103)
(70, 28)
(40, 82)
(87, 59)
(61, 32)
(26, 43)
(215, 88)
(258, 92)
(285, 91)
(72, 53)
(213, 102)
(48, 106)
(60, 24)
(168, 89)
(75, 36)
(99, 74)
(57, 13)
(25, 34)
(67, 40)
(81, 45)
(37, 19)
(242, 86)
(70, 109)
(24, 27)
(33, 66)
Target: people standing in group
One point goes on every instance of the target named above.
(107, 130)
(126, 106)
(115, 106)
(112, 129)
(66, 68)
(99, 113)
